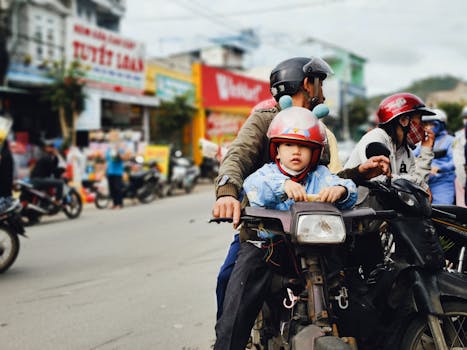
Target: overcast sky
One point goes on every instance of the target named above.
(403, 40)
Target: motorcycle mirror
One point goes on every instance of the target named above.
(376, 149)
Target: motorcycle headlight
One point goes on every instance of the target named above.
(320, 228)
(407, 198)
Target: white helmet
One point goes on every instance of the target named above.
(440, 115)
(464, 112)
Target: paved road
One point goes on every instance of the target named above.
(139, 278)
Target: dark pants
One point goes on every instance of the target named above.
(115, 188)
(45, 183)
(246, 292)
(225, 272)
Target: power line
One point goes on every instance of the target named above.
(251, 12)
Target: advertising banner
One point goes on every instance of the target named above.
(160, 154)
(222, 128)
(112, 61)
(222, 88)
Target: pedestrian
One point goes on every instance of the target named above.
(442, 174)
(115, 157)
(6, 170)
(464, 116)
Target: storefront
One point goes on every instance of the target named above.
(167, 84)
(115, 79)
(224, 101)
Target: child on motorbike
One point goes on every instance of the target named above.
(296, 142)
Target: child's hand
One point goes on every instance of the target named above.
(295, 191)
(332, 194)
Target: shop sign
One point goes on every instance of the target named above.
(160, 154)
(222, 128)
(167, 88)
(112, 61)
(221, 88)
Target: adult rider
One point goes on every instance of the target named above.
(45, 172)
(301, 78)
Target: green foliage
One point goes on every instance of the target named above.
(358, 117)
(171, 117)
(453, 110)
(67, 89)
(421, 88)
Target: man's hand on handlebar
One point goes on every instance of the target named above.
(227, 207)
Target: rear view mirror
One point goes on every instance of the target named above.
(377, 149)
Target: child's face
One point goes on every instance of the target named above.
(293, 156)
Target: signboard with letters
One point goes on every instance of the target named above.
(112, 62)
(222, 88)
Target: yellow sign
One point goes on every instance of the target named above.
(160, 154)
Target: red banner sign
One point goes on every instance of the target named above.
(221, 88)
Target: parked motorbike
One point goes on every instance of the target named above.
(209, 168)
(36, 203)
(10, 228)
(183, 174)
(145, 185)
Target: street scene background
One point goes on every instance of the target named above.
(143, 279)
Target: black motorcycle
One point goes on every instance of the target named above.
(410, 300)
(323, 296)
(300, 250)
(36, 203)
(451, 226)
(10, 228)
(145, 185)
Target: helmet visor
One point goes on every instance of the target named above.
(317, 67)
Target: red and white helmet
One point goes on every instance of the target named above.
(299, 126)
(401, 103)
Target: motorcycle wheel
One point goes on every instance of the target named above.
(73, 204)
(101, 201)
(30, 219)
(454, 326)
(148, 193)
(9, 248)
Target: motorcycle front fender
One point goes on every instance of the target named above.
(429, 289)
(452, 285)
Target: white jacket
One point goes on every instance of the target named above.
(403, 163)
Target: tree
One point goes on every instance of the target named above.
(358, 116)
(171, 118)
(66, 95)
(453, 111)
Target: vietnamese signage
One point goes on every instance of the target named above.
(112, 61)
(221, 88)
(167, 88)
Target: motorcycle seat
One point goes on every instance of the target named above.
(138, 175)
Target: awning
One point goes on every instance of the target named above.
(10, 90)
(148, 101)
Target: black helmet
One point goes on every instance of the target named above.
(287, 77)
